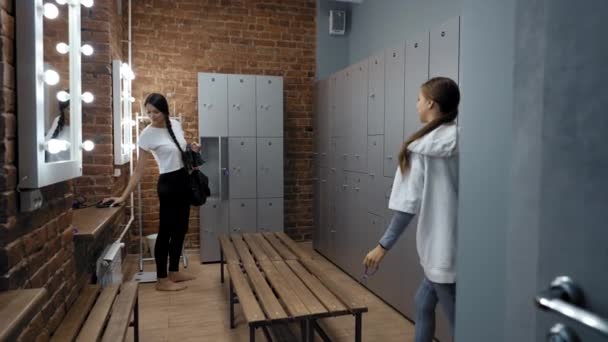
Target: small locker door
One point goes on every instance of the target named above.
(241, 106)
(334, 96)
(375, 112)
(358, 141)
(213, 223)
(375, 189)
(347, 118)
(373, 231)
(324, 124)
(269, 104)
(324, 206)
(243, 216)
(357, 214)
(270, 215)
(212, 104)
(394, 89)
(270, 167)
(316, 209)
(416, 71)
(445, 49)
(340, 240)
(242, 167)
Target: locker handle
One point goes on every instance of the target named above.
(323, 181)
(357, 188)
(372, 95)
(389, 157)
(372, 174)
(323, 154)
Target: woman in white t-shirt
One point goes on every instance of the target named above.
(164, 141)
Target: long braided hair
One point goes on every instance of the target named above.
(160, 103)
(61, 121)
(445, 93)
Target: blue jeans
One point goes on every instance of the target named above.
(427, 296)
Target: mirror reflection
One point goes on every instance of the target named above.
(57, 112)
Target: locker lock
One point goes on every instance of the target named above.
(415, 45)
(270, 143)
(270, 204)
(242, 205)
(269, 81)
(213, 79)
(241, 80)
(242, 143)
(394, 54)
(443, 33)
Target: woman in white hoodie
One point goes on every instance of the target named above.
(426, 184)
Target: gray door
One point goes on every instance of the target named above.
(417, 72)
(270, 214)
(212, 104)
(375, 188)
(241, 106)
(269, 104)
(358, 120)
(324, 128)
(325, 200)
(393, 119)
(375, 111)
(242, 167)
(213, 222)
(270, 167)
(444, 49)
(243, 216)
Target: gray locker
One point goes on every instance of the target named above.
(340, 242)
(242, 167)
(394, 90)
(324, 124)
(213, 104)
(356, 216)
(358, 110)
(334, 96)
(316, 210)
(241, 106)
(325, 200)
(375, 226)
(214, 222)
(270, 215)
(375, 188)
(375, 111)
(416, 73)
(270, 167)
(243, 216)
(444, 49)
(269, 104)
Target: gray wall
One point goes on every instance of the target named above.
(486, 73)
(332, 51)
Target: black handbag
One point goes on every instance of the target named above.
(197, 180)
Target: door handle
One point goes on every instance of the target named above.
(565, 298)
(561, 333)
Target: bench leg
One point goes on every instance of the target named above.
(303, 329)
(311, 330)
(136, 320)
(222, 265)
(320, 330)
(251, 334)
(231, 305)
(358, 327)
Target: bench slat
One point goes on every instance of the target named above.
(270, 251)
(242, 249)
(251, 309)
(344, 291)
(255, 247)
(280, 247)
(68, 330)
(295, 307)
(121, 312)
(311, 302)
(325, 296)
(230, 255)
(93, 327)
(266, 297)
(295, 249)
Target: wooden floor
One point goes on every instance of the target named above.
(201, 312)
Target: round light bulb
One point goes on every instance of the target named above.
(87, 97)
(62, 48)
(87, 3)
(51, 77)
(61, 2)
(88, 145)
(55, 146)
(132, 99)
(50, 11)
(63, 96)
(86, 50)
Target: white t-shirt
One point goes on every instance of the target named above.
(158, 141)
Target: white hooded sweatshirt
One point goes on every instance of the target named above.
(430, 190)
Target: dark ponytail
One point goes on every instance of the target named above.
(160, 102)
(445, 93)
(61, 121)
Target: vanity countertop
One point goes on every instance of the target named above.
(90, 222)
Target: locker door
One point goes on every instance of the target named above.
(416, 71)
(316, 209)
(270, 167)
(359, 117)
(394, 89)
(213, 223)
(375, 189)
(357, 216)
(444, 49)
(330, 233)
(375, 113)
(241, 106)
(212, 104)
(334, 103)
(269, 104)
(270, 214)
(324, 123)
(243, 216)
(340, 240)
(324, 206)
(347, 118)
(374, 229)
(242, 167)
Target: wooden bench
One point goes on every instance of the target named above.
(101, 314)
(276, 282)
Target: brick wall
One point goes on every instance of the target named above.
(36, 249)
(174, 40)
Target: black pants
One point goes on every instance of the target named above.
(174, 215)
